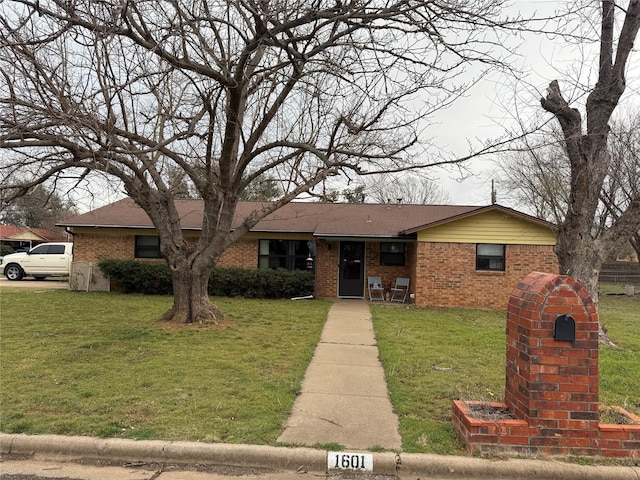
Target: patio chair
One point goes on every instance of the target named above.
(400, 292)
(376, 291)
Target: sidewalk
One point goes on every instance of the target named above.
(344, 397)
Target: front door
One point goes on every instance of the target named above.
(351, 279)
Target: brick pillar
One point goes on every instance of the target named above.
(553, 385)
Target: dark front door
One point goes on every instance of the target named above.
(351, 269)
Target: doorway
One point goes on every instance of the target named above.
(351, 276)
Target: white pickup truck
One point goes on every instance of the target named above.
(44, 260)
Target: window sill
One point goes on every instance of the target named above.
(491, 272)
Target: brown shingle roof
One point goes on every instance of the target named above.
(320, 219)
(354, 219)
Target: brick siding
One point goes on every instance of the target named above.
(95, 248)
(242, 254)
(326, 267)
(388, 273)
(446, 274)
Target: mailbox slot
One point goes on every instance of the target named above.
(565, 329)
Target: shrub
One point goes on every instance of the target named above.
(5, 250)
(237, 282)
(152, 278)
(149, 278)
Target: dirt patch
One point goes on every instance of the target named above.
(484, 411)
(615, 417)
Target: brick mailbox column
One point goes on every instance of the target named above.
(552, 383)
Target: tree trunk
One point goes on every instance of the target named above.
(191, 304)
(578, 255)
(580, 258)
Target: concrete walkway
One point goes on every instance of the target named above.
(344, 396)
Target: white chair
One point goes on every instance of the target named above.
(376, 291)
(400, 292)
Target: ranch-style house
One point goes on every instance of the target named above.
(453, 256)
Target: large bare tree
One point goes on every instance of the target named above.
(622, 185)
(208, 96)
(537, 176)
(581, 248)
(412, 189)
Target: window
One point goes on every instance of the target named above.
(392, 254)
(289, 254)
(56, 250)
(490, 257)
(40, 250)
(47, 250)
(147, 246)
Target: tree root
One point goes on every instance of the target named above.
(205, 315)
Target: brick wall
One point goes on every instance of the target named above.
(95, 248)
(446, 274)
(242, 254)
(327, 259)
(388, 273)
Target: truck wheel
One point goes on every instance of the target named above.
(13, 272)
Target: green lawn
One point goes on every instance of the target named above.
(472, 344)
(433, 356)
(100, 364)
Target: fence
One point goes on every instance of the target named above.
(620, 272)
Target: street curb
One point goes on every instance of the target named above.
(300, 459)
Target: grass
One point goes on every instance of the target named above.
(433, 356)
(472, 343)
(620, 368)
(99, 364)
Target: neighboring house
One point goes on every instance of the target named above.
(455, 256)
(27, 237)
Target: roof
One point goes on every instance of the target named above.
(16, 233)
(326, 220)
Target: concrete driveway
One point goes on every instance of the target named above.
(53, 282)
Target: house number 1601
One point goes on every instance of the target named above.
(350, 461)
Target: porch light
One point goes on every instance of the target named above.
(309, 262)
